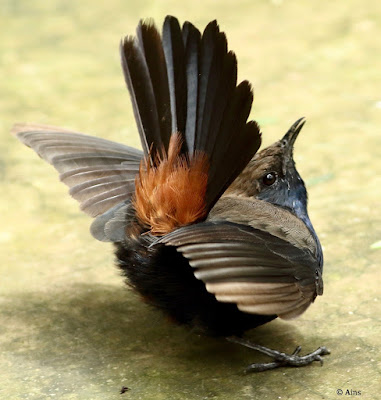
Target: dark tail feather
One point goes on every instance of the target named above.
(209, 42)
(175, 60)
(192, 41)
(225, 89)
(212, 95)
(146, 78)
(151, 45)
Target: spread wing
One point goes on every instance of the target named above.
(260, 273)
(100, 173)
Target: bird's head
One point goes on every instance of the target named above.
(272, 176)
(276, 178)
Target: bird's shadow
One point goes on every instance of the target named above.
(88, 325)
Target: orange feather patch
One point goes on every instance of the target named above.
(171, 193)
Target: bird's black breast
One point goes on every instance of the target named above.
(166, 280)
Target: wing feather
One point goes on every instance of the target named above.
(100, 173)
(259, 272)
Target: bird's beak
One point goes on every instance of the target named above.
(290, 137)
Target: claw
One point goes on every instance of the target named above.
(318, 358)
(297, 351)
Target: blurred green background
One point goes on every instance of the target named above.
(69, 327)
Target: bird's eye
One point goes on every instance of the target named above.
(269, 178)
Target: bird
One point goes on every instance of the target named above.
(207, 228)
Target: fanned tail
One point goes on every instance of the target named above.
(186, 83)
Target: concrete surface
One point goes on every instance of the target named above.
(69, 327)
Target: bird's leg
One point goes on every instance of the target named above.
(280, 359)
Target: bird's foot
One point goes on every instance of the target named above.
(280, 359)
